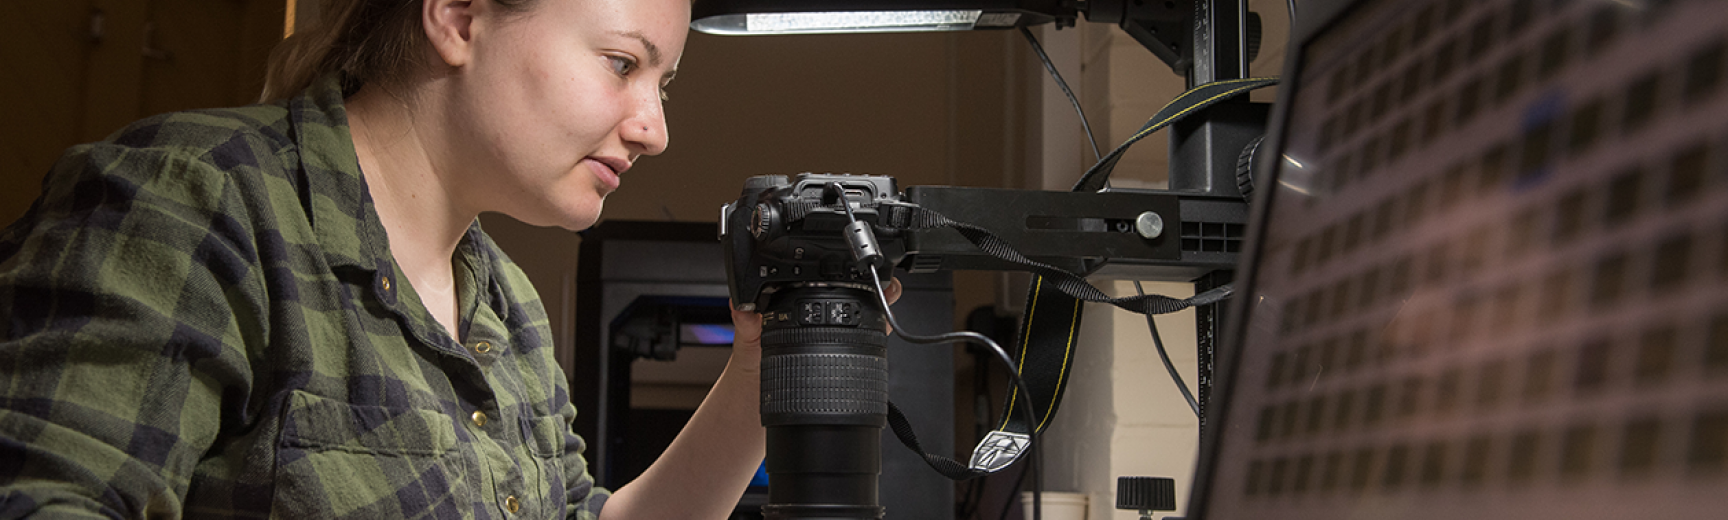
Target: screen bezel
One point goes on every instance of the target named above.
(1312, 20)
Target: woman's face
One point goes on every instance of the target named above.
(556, 103)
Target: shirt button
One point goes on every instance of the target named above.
(511, 504)
(479, 418)
(384, 281)
(482, 347)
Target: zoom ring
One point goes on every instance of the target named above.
(798, 386)
(822, 336)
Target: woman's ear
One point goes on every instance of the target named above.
(449, 25)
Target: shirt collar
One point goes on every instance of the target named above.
(341, 209)
(342, 213)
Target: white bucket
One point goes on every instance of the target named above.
(1058, 505)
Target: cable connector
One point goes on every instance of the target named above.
(864, 248)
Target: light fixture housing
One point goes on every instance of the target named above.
(760, 17)
(1164, 27)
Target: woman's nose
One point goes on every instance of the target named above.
(646, 129)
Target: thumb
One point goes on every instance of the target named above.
(892, 291)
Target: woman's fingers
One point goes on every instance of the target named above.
(747, 328)
(892, 294)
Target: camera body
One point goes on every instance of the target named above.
(783, 233)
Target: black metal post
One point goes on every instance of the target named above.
(1204, 147)
(1209, 324)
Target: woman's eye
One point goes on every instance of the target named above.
(622, 65)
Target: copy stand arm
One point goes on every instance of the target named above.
(1140, 234)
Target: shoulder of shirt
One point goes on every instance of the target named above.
(255, 136)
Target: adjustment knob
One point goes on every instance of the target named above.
(764, 221)
(1146, 493)
(1245, 163)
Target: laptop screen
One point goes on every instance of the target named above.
(1489, 278)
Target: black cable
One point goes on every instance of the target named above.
(963, 510)
(1292, 5)
(977, 498)
(840, 191)
(1012, 492)
(973, 494)
(1165, 355)
(1096, 154)
(1001, 355)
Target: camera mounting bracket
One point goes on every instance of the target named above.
(1091, 234)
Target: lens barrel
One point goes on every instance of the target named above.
(824, 402)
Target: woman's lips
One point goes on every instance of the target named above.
(606, 172)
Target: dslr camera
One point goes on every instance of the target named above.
(802, 252)
(782, 234)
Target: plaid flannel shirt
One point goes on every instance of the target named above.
(201, 317)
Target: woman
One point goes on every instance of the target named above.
(289, 309)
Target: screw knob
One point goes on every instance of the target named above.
(1149, 225)
(1146, 493)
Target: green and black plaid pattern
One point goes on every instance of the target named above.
(200, 317)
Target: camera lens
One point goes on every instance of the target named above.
(824, 402)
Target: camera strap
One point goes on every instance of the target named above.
(1045, 351)
(1190, 102)
(1052, 322)
(1072, 286)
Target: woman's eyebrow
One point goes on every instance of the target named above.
(653, 50)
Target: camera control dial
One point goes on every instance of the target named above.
(764, 220)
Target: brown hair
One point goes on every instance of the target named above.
(367, 41)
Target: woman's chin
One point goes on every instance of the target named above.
(580, 220)
(575, 218)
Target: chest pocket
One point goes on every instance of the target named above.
(544, 437)
(340, 460)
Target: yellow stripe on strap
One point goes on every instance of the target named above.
(1014, 391)
(1066, 355)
